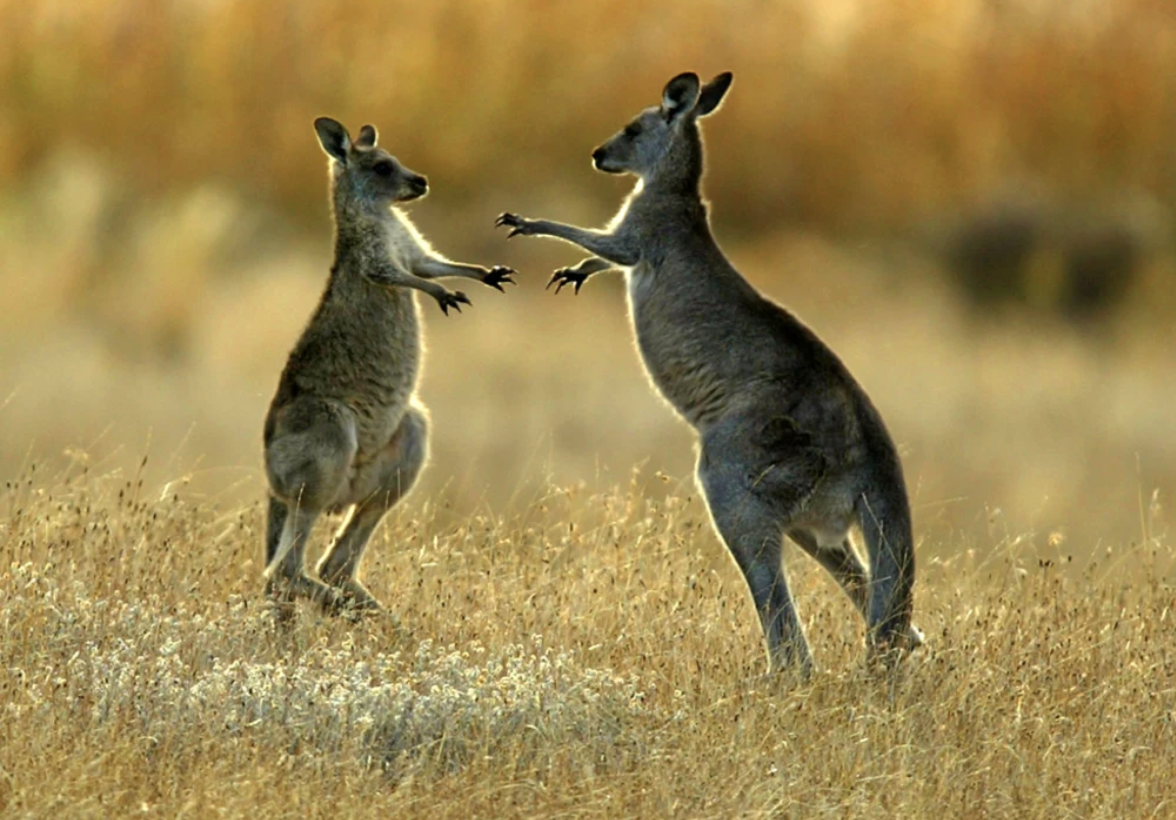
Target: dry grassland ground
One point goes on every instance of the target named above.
(564, 639)
(592, 655)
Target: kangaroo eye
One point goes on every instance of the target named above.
(383, 168)
(632, 131)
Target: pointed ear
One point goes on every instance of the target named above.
(679, 96)
(333, 137)
(712, 94)
(367, 137)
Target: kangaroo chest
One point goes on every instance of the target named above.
(677, 348)
(366, 357)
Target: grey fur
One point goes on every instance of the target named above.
(344, 430)
(789, 442)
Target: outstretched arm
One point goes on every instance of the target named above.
(391, 276)
(617, 249)
(428, 266)
(578, 274)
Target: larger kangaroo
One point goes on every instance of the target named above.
(790, 443)
(344, 429)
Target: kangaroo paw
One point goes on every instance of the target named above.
(452, 300)
(497, 276)
(567, 276)
(516, 223)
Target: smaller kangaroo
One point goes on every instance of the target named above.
(789, 442)
(344, 429)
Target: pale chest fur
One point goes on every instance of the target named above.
(400, 241)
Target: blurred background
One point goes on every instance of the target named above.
(971, 201)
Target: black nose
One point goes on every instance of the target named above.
(598, 156)
(421, 182)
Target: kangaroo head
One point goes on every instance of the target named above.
(665, 134)
(365, 172)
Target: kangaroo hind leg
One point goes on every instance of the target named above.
(750, 511)
(841, 561)
(397, 469)
(307, 461)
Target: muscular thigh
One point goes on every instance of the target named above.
(761, 457)
(392, 469)
(309, 449)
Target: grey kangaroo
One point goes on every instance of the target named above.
(789, 442)
(344, 430)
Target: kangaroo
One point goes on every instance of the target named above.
(344, 430)
(789, 443)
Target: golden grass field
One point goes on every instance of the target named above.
(565, 635)
(583, 656)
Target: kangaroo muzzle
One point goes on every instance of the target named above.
(599, 157)
(418, 186)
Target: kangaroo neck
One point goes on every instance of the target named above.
(355, 221)
(361, 242)
(672, 182)
(684, 203)
(678, 171)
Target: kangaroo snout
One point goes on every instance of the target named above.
(605, 159)
(418, 186)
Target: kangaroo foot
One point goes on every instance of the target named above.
(352, 600)
(283, 590)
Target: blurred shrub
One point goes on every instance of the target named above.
(1079, 264)
(847, 116)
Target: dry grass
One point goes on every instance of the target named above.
(589, 656)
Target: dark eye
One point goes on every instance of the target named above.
(632, 130)
(383, 168)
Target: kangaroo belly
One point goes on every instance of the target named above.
(380, 395)
(691, 387)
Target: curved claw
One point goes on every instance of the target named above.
(453, 300)
(513, 221)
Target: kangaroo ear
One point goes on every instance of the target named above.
(680, 95)
(333, 137)
(712, 94)
(367, 137)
